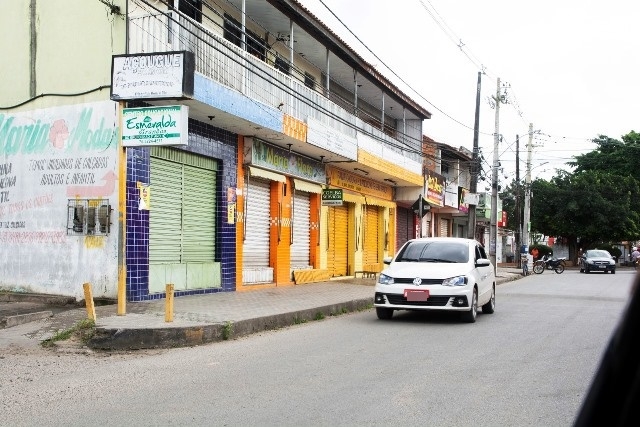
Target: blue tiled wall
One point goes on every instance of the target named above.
(205, 140)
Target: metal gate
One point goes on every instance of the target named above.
(182, 221)
(255, 250)
(338, 248)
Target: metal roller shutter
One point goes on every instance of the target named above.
(444, 228)
(165, 217)
(301, 230)
(199, 226)
(255, 253)
(371, 237)
(338, 250)
(182, 220)
(404, 226)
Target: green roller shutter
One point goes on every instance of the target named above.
(182, 220)
(199, 226)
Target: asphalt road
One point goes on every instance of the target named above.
(528, 364)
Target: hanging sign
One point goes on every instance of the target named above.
(332, 197)
(149, 126)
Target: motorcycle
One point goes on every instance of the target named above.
(555, 264)
(563, 261)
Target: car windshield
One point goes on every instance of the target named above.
(442, 252)
(598, 254)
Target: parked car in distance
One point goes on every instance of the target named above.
(437, 274)
(597, 260)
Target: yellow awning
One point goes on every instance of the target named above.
(307, 186)
(262, 173)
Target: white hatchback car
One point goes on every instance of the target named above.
(437, 273)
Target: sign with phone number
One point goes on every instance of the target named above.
(332, 197)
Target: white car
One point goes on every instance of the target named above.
(437, 273)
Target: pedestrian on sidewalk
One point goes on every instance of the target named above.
(635, 256)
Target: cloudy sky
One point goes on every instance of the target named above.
(569, 67)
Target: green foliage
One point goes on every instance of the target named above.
(84, 330)
(512, 201)
(542, 250)
(613, 250)
(612, 156)
(227, 331)
(597, 203)
(592, 206)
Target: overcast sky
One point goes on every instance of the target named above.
(571, 69)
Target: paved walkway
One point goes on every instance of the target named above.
(204, 318)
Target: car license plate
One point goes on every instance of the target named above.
(416, 294)
(601, 266)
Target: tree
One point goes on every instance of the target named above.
(612, 156)
(597, 203)
(587, 206)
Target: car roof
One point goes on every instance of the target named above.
(444, 239)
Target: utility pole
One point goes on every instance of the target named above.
(527, 190)
(471, 233)
(493, 230)
(518, 211)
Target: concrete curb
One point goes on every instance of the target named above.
(56, 300)
(154, 338)
(20, 319)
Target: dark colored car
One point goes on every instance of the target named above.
(597, 260)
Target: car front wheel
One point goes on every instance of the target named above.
(384, 313)
(470, 316)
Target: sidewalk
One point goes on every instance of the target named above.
(202, 319)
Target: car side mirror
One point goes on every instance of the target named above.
(387, 260)
(483, 262)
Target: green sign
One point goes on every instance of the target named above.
(332, 197)
(162, 125)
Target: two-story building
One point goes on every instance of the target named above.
(216, 147)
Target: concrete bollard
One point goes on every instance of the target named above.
(168, 306)
(88, 299)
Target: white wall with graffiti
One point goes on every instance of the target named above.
(59, 200)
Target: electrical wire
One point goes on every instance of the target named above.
(297, 95)
(55, 94)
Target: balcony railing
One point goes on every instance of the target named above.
(231, 66)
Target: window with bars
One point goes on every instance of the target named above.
(88, 217)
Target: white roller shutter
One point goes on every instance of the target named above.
(444, 228)
(301, 230)
(255, 253)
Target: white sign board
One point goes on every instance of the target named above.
(155, 126)
(152, 76)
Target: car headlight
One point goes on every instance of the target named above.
(590, 261)
(383, 279)
(455, 281)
